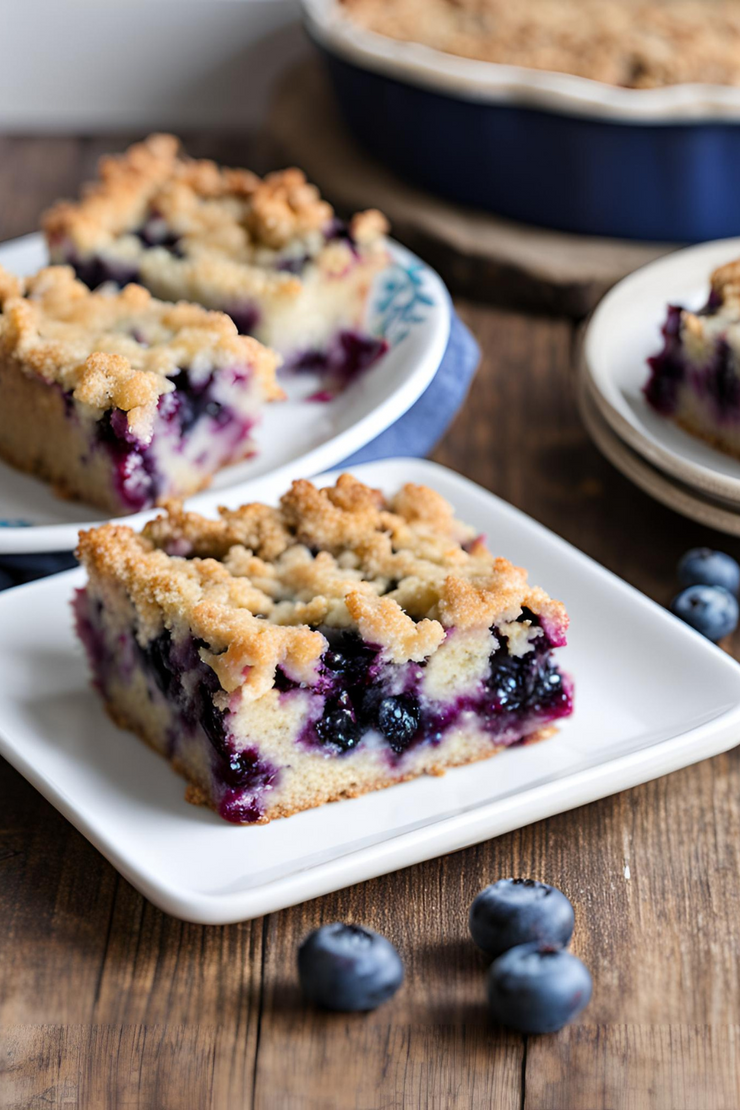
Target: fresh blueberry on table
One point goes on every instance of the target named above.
(514, 911)
(537, 988)
(711, 610)
(703, 567)
(347, 967)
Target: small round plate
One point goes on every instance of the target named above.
(682, 499)
(409, 306)
(624, 331)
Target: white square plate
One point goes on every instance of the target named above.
(651, 696)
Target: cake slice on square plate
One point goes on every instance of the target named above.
(120, 400)
(281, 658)
(270, 252)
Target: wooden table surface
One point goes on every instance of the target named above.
(107, 1002)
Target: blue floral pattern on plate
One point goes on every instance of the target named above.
(401, 302)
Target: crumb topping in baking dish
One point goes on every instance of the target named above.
(635, 44)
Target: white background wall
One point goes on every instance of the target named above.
(92, 65)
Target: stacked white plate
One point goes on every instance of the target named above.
(684, 473)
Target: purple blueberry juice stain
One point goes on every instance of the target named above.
(155, 233)
(246, 317)
(340, 364)
(293, 265)
(338, 230)
(241, 774)
(667, 368)
(134, 472)
(136, 475)
(87, 618)
(96, 271)
(358, 693)
(721, 383)
(348, 356)
(716, 382)
(713, 304)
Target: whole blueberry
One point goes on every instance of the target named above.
(703, 567)
(514, 911)
(346, 967)
(398, 720)
(537, 988)
(711, 610)
(339, 724)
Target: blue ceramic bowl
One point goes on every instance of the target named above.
(542, 148)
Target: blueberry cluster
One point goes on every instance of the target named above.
(534, 984)
(708, 601)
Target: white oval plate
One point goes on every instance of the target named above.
(624, 331)
(652, 695)
(409, 305)
(493, 82)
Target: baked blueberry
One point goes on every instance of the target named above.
(711, 610)
(398, 718)
(347, 967)
(703, 567)
(537, 988)
(515, 911)
(695, 379)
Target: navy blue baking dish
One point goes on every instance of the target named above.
(542, 148)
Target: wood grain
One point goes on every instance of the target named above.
(106, 1002)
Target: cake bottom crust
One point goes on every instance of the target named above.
(197, 791)
(725, 440)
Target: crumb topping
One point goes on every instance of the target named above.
(119, 349)
(725, 283)
(633, 43)
(258, 583)
(700, 331)
(177, 220)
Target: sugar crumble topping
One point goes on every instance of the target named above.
(119, 349)
(234, 230)
(722, 318)
(631, 43)
(256, 584)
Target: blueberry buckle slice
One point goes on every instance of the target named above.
(284, 657)
(120, 400)
(695, 378)
(269, 252)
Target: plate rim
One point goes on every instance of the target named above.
(606, 394)
(37, 538)
(449, 833)
(653, 482)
